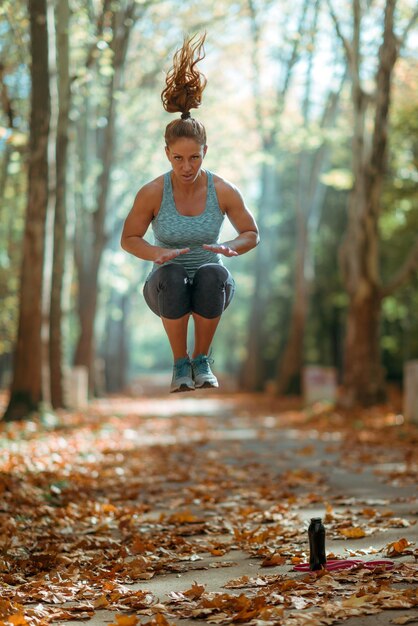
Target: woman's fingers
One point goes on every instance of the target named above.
(169, 254)
(225, 250)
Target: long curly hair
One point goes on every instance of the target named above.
(183, 91)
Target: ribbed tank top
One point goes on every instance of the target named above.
(173, 230)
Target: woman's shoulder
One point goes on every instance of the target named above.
(224, 188)
(149, 196)
(153, 188)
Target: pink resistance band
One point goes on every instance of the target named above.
(337, 564)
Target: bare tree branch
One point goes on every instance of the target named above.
(99, 32)
(5, 99)
(409, 266)
(402, 38)
(346, 44)
(294, 53)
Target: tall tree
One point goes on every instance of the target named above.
(252, 376)
(309, 197)
(62, 23)
(26, 387)
(91, 236)
(363, 373)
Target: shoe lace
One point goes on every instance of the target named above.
(202, 364)
(182, 367)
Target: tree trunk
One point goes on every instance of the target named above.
(363, 381)
(62, 16)
(86, 307)
(26, 388)
(7, 107)
(308, 207)
(115, 348)
(364, 376)
(93, 237)
(292, 359)
(252, 377)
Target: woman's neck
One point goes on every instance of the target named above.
(189, 189)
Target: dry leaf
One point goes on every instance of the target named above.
(397, 547)
(125, 620)
(405, 619)
(355, 532)
(194, 592)
(273, 560)
(17, 620)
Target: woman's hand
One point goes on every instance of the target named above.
(167, 254)
(220, 249)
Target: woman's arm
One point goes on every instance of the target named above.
(137, 223)
(242, 220)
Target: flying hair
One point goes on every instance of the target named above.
(184, 89)
(184, 82)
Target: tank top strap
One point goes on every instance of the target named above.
(212, 203)
(168, 191)
(167, 201)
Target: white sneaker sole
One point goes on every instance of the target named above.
(207, 385)
(181, 388)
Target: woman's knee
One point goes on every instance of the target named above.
(211, 292)
(167, 292)
(171, 275)
(211, 275)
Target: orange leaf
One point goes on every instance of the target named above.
(273, 560)
(355, 532)
(355, 601)
(101, 602)
(109, 508)
(17, 620)
(125, 620)
(185, 517)
(397, 547)
(195, 591)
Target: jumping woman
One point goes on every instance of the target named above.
(186, 208)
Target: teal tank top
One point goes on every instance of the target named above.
(173, 230)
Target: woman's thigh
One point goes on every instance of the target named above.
(167, 291)
(212, 290)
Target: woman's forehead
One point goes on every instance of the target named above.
(185, 146)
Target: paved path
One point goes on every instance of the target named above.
(256, 457)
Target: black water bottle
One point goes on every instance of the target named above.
(316, 534)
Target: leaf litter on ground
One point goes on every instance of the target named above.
(98, 505)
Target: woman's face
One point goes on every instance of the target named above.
(186, 156)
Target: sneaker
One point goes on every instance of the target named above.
(202, 374)
(182, 376)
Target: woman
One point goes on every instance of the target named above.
(186, 208)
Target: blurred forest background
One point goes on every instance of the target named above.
(311, 110)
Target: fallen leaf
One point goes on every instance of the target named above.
(397, 547)
(195, 591)
(355, 532)
(125, 620)
(273, 560)
(405, 619)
